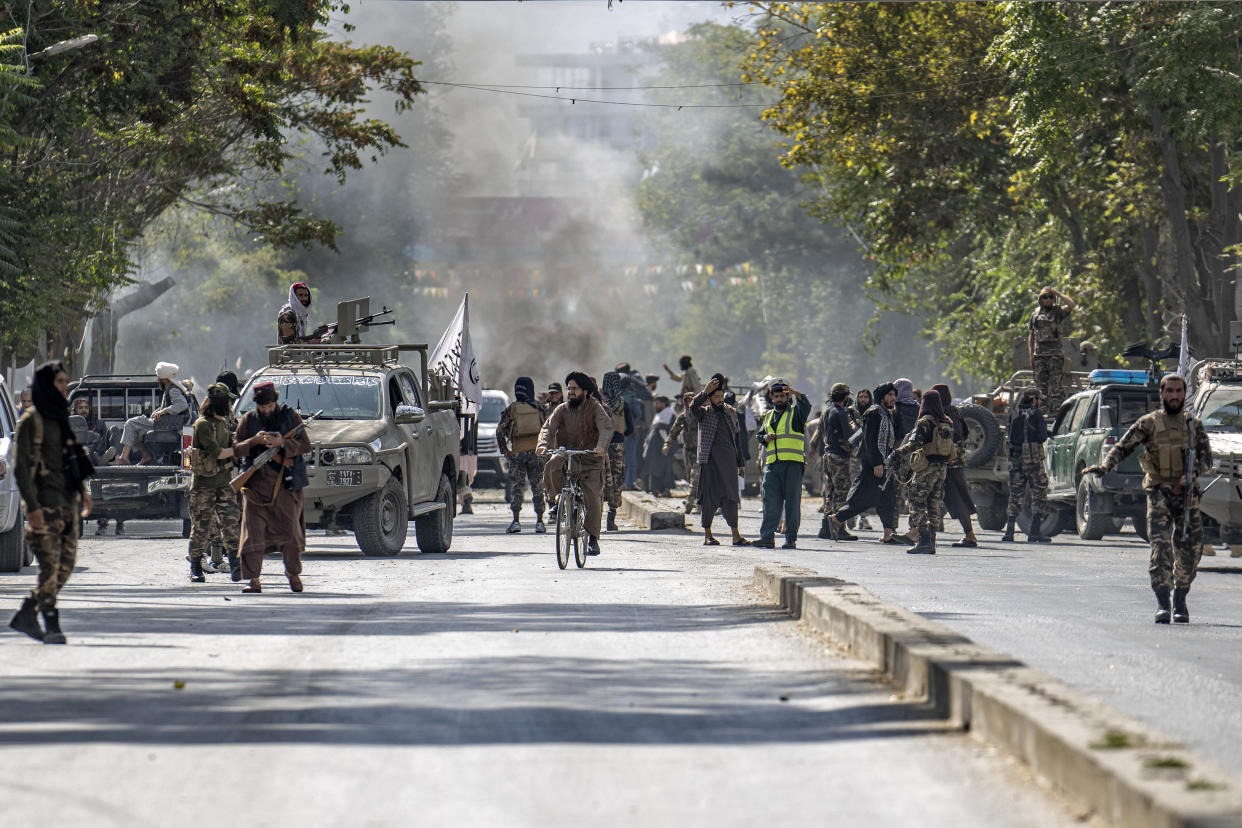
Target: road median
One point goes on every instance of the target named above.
(650, 512)
(1105, 762)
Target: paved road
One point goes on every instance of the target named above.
(1081, 611)
(481, 687)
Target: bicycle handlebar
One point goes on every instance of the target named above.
(569, 452)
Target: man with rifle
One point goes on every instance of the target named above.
(271, 485)
(1176, 452)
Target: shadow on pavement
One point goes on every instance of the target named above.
(519, 700)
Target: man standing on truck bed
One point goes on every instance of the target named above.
(1174, 524)
(517, 436)
(582, 424)
(173, 413)
(51, 475)
(1043, 344)
(272, 515)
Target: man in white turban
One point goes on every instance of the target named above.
(173, 413)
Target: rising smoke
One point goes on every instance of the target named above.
(540, 226)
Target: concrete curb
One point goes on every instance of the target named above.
(650, 512)
(1103, 761)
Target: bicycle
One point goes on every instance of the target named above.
(570, 514)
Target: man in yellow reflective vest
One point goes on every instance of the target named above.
(784, 457)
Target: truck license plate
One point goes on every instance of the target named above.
(345, 477)
(118, 490)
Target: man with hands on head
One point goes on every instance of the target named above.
(580, 424)
(782, 434)
(1044, 345)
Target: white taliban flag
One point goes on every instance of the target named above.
(454, 357)
(1183, 359)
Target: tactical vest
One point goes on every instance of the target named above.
(1164, 458)
(940, 449)
(1047, 325)
(789, 444)
(527, 420)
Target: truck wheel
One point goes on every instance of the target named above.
(434, 530)
(1091, 526)
(381, 521)
(185, 527)
(983, 435)
(991, 513)
(1140, 522)
(13, 549)
(1052, 525)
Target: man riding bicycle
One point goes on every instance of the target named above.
(580, 423)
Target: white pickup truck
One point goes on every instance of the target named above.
(14, 551)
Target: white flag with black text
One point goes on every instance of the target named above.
(454, 356)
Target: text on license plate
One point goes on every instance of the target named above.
(345, 477)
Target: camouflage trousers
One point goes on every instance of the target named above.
(614, 475)
(55, 547)
(925, 492)
(526, 467)
(691, 454)
(1174, 561)
(1028, 476)
(214, 516)
(837, 479)
(1049, 372)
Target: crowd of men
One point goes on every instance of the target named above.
(899, 450)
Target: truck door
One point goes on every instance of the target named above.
(421, 445)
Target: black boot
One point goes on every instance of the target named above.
(612, 521)
(27, 620)
(196, 571)
(1008, 536)
(234, 567)
(825, 529)
(1181, 615)
(1036, 536)
(1162, 605)
(51, 619)
(925, 546)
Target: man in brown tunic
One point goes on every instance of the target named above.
(582, 424)
(272, 516)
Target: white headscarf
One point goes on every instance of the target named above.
(300, 311)
(167, 370)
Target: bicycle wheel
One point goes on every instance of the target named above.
(580, 536)
(564, 530)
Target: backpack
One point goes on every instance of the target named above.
(527, 420)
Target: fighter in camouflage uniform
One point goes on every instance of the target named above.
(50, 468)
(1045, 348)
(517, 436)
(1028, 431)
(837, 426)
(1165, 435)
(215, 513)
(614, 466)
(687, 428)
(928, 453)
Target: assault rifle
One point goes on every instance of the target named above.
(368, 321)
(239, 482)
(1188, 495)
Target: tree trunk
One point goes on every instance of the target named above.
(104, 325)
(1152, 288)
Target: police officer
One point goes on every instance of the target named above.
(51, 473)
(517, 435)
(1043, 343)
(837, 427)
(1028, 431)
(782, 433)
(1174, 525)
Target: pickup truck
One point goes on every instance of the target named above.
(157, 491)
(14, 551)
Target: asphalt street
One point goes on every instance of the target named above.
(1079, 610)
(480, 687)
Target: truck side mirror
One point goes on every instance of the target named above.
(409, 415)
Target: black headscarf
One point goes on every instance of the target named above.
(524, 390)
(877, 396)
(930, 406)
(229, 379)
(582, 381)
(47, 398)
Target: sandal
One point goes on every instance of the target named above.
(893, 540)
(964, 543)
(741, 542)
(255, 586)
(710, 542)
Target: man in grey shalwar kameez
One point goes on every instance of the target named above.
(719, 465)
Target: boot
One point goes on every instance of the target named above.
(515, 527)
(51, 619)
(467, 505)
(1162, 605)
(1009, 527)
(1181, 615)
(592, 546)
(612, 521)
(825, 529)
(234, 567)
(1036, 536)
(196, 571)
(925, 546)
(842, 531)
(27, 620)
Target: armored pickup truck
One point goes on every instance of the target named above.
(384, 450)
(1216, 399)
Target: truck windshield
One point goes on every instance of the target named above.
(1222, 409)
(1121, 410)
(490, 410)
(339, 397)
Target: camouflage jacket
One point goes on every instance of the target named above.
(1143, 433)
